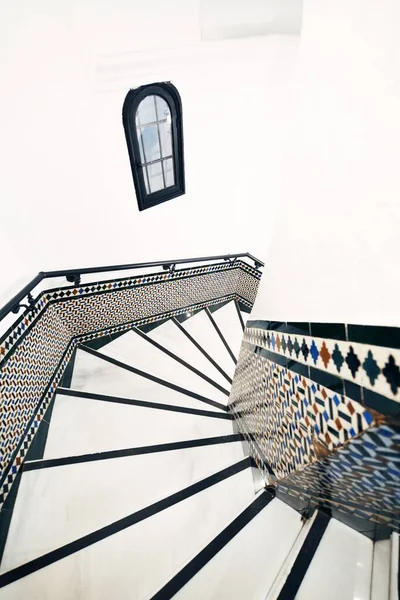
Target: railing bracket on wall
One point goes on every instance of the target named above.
(74, 278)
(29, 306)
(170, 268)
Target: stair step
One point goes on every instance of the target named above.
(81, 425)
(248, 564)
(245, 316)
(201, 328)
(240, 316)
(381, 570)
(93, 374)
(228, 322)
(341, 566)
(56, 505)
(135, 559)
(394, 584)
(133, 350)
(169, 335)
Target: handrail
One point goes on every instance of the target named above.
(73, 275)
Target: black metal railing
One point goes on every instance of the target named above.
(74, 276)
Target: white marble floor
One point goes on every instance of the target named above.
(258, 550)
(133, 350)
(341, 567)
(227, 320)
(170, 336)
(135, 562)
(83, 425)
(58, 504)
(92, 374)
(201, 328)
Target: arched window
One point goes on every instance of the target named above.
(152, 118)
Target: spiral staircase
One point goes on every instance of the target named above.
(138, 485)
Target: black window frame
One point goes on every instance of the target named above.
(170, 94)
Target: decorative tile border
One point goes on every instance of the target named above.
(313, 426)
(247, 292)
(368, 372)
(97, 311)
(153, 319)
(18, 449)
(35, 352)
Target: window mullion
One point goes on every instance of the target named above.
(144, 165)
(159, 142)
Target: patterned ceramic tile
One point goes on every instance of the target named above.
(18, 447)
(320, 412)
(153, 319)
(94, 312)
(232, 271)
(294, 420)
(362, 478)
(374, 368)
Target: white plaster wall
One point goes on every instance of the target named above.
(222, 19)
(66, 190)
(335, 252)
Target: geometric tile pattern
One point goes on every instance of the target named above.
(306, 407)
(371, 367)
(97, 311)
(362, 479)
(238, 268)
(24, 377)
(160, 316)
(293, 420)
(20, 447)
(34, 352)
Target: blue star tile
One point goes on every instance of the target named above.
(353, 362)
(304, 349)
(314, 352)
(273, 341)
(337, 358)
(392, 374)
(371, 368)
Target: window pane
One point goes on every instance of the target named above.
(163, 111)
(140, 142)
(156, 179)
(151, 144)
(166, 138)
(169, 172)
(146, 112)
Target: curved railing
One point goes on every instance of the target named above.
(74, 275)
